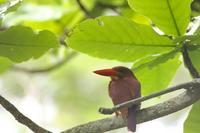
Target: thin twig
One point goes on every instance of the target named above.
(83, 8)
(145, 98)
(48, 69)
(21, 117)
(183, 100)
(103, 5)
(63, 36)
(188, 63)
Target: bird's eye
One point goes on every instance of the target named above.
(120, 74)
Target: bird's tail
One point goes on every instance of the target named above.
(131, 120)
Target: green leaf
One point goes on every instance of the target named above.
(195, 39)
(192, 39)
(5, 64)
(191, 125)
(155, 73)
(171, 16)
(198, 31)
(136, 17)
(115, 37)
(2, 1)
(51, 25)
(20, 43)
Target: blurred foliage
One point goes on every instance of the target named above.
(5, 64)
(195, 8)
(76, 94)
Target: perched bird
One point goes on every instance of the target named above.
(123, 87)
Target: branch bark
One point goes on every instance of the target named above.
(185, 99)
(21, 118)
(141, 99)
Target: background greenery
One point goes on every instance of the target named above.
(36, 34)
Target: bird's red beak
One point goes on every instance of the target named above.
(106, 72)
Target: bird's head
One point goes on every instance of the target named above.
(116, 72)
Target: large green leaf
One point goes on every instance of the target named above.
(20, 43)
(116, 37)
(171, 16)
(155, 73)
(135, 16)
(192, 123)
(5, 64)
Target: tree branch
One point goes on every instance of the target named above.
(48, 69)
(183, 100)
(141, 99)
(20, 117)
(103, 5)
(82, 7)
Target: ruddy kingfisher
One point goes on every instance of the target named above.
(123, 87)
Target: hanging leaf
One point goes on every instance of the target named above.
(171, 16)
(155, 73)
(20, 43)
(115, 37)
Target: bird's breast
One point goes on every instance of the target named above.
(122, 90)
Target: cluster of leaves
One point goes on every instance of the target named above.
(138, 43)
(156, 57)
(131, 37)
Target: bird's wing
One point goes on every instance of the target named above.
(134, 88)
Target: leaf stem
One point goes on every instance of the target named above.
(188, 63)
